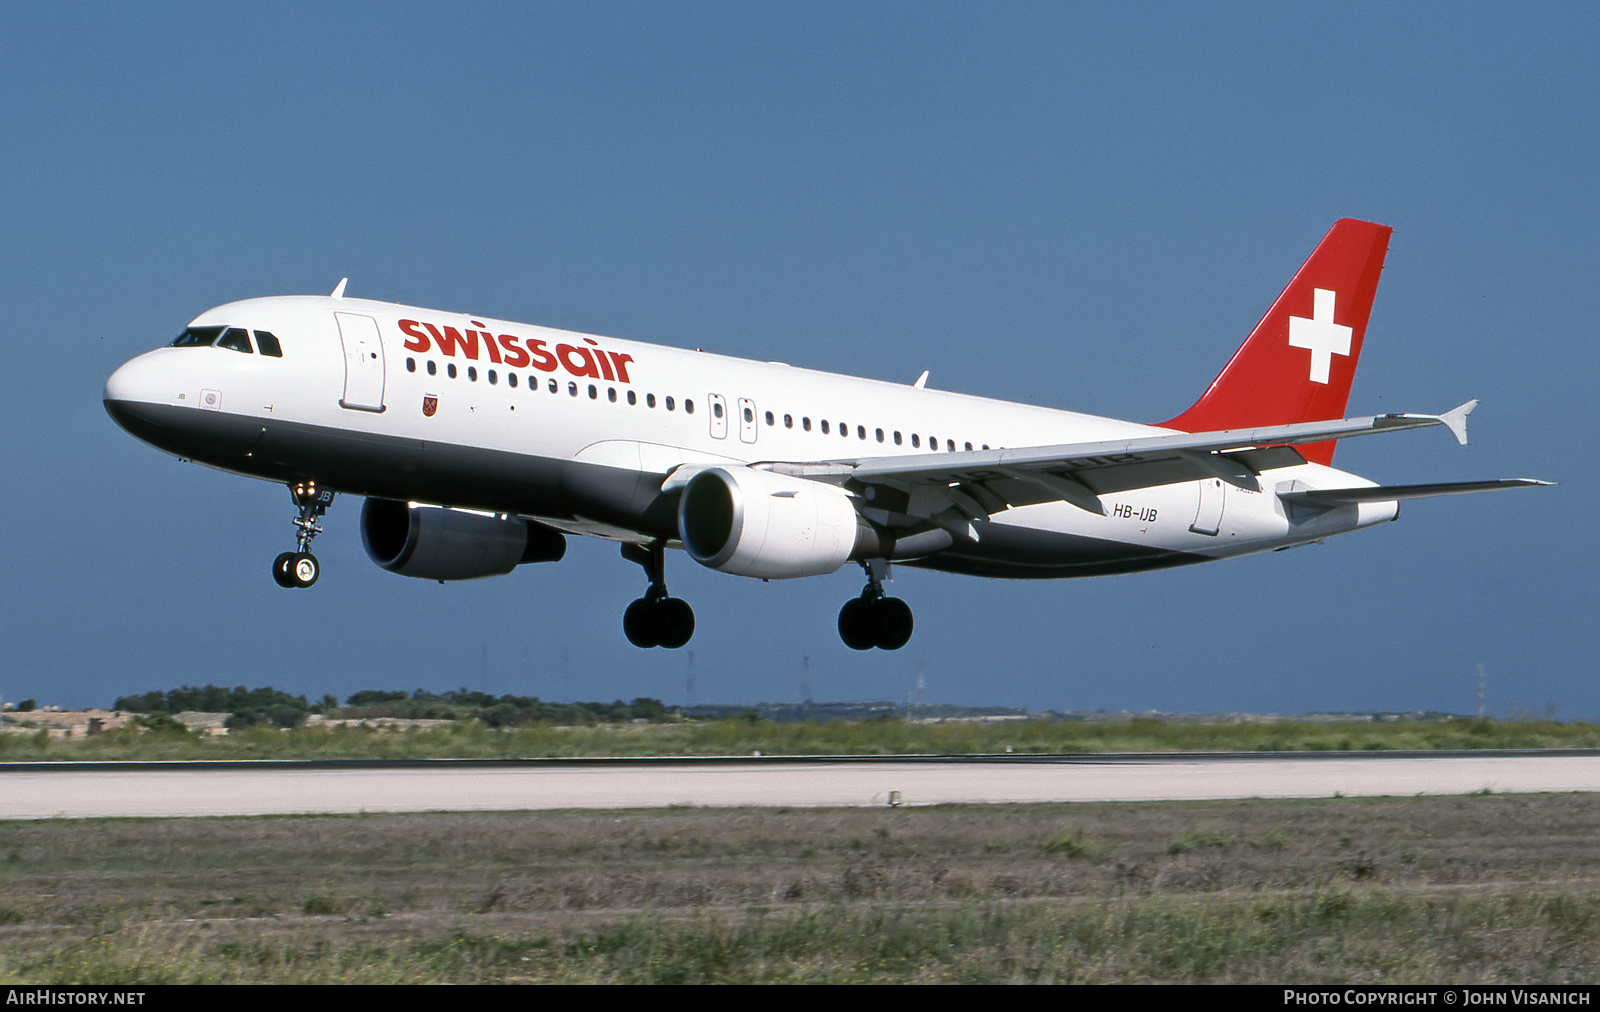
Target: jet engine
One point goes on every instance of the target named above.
(771, 526)
(438, 543)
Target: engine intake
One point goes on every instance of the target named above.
(770, 526)
(438, 543)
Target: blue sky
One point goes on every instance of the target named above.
(1083, 206)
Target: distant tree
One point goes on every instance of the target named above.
(162, 724)
(250, 706)
(27, 706)
(372, 697)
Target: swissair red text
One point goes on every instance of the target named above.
(517, 352)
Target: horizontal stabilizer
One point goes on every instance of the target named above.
(1392, 493)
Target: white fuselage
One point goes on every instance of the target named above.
(581, 432)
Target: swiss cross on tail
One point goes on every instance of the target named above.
(1269, 380)
(1320, 335)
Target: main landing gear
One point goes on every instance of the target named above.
(300, 569)
(656, 620)
(873, 620)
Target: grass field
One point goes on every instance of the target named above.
(740, 736)
(1480, 889)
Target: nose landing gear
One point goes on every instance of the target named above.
(656, 620)
(873, 620)
(300, 569)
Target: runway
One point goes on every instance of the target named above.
(67, 790)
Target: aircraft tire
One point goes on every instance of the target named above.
(303, 569)
(891, 623)
(855, 624)
(674, 622)
(280, 570)
(641, 624)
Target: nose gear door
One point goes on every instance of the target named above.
(363, 362)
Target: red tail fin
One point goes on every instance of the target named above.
(1299, 362)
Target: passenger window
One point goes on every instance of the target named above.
(769, 419)
(554, 386)
(805, 423)
(235, 339)
(880, 436)
(433, 369)
(197, 337)
(669, 403)
(268, 345)
(572, 389)
(688, 406)
(716, 409)
(861, 432)
(493, 379)
(824, 426)
(511, 378)
(472, 373)
(450, 370)
(649, 400)
(411, 365)
(594, 393)
(750, 416)
(611, 394)
(788, 421)
(633, 398)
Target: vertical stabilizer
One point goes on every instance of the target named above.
(1299, 361)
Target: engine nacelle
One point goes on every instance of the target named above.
(756, 523)
(437, 543)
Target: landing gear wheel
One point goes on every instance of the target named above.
(655, 620)
(280, 570)
(304, 569)
(298, 570)
(855, 624)
(658, 622)
(873, 620)
(891, 623)
(674, 622)
(640, 624)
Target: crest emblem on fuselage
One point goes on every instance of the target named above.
(430, 404)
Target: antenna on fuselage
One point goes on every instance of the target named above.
(921, 380)
(338, 289)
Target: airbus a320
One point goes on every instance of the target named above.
(480, 445)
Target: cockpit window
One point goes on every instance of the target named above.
(268, 344)
(236, 339)
(197, 337)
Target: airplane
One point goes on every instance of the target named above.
(479, 445)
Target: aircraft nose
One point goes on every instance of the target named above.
(139, 381)
(144, 378)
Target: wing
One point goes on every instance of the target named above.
(953, 489)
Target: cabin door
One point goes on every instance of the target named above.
(363, 362)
